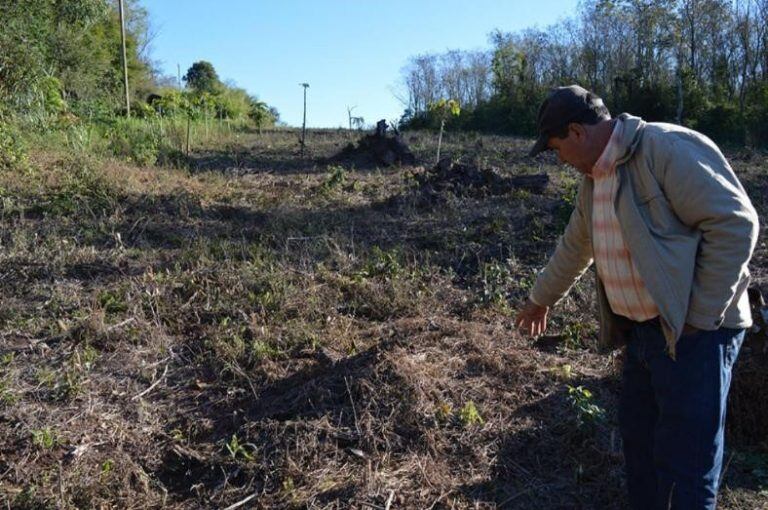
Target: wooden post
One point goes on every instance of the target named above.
(125, 60)
(189, 127)
(304, 123)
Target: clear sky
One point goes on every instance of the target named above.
(349, 51)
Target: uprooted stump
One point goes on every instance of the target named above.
(377, 148)
(464, 179)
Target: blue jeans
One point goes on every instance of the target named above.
(672, 416)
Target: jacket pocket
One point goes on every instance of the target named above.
(660, 218)
(642, 200)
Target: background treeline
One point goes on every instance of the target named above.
(61, 69)
(702, 63)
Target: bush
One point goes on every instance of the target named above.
(13, 153)
(81, 188)
(723, 123)
(757, 116)
(136, 141)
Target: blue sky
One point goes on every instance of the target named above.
(350, 52)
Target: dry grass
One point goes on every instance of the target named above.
(321, 338)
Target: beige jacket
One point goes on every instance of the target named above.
(689, 227)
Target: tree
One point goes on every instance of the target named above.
(261, 114)
(78, 43)
(202, 77)
(443, 109)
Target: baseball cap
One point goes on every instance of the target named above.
(562, 105)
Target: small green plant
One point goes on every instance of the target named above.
(70, 386)
(496, 282)
(106, 469)
(46, 377)
(112, 302)
(335, 177)
(536, 229)
(381, 263)
(443, 109)
(564, 371)
(588, 413)
(565, 208)
(89, 357)
(7, 395)
(237, 449)
(263, 350)
(288, 485)
(469, 415)
(574, 335)
(7, 358)
(45, 439)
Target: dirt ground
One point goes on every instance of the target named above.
(266, 330)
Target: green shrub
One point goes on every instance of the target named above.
(336, 177)
(82, 188)
(723, 123)
(13, 153)
(136, 141)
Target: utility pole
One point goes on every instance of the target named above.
(178, 74)
(304, 123)
(125, 60)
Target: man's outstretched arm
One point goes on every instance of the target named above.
(572, 256)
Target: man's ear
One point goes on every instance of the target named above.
(578, 131)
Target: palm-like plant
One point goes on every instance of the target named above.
(260, 113)
(443, 109)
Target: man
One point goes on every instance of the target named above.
(671, 231)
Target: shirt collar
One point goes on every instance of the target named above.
(606, 163)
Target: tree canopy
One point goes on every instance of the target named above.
(202, 77)
(702, 63)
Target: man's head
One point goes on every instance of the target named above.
(572, 122)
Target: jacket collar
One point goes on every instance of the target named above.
(631, 136)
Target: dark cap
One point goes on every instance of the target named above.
(562, 105)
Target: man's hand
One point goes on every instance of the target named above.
(532, 318)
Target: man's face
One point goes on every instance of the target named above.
(574, 149)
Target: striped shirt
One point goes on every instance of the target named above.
(624, 288)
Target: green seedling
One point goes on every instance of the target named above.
(588, 413)
(469, 415)
(237, 449)
(45, 439)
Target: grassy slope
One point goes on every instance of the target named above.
(262, 326)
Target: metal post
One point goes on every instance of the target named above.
(125, 60)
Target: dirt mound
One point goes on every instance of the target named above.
(377, 148)
(465, 179)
